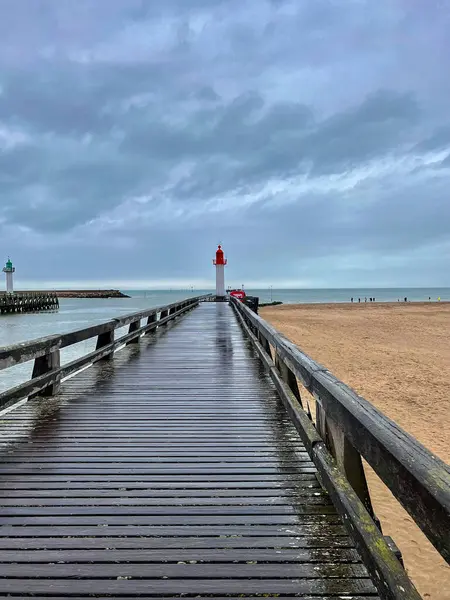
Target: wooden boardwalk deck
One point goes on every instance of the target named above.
(171, 470)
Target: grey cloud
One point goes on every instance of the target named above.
(195, 103)
(237, 130)
(73, 99)
(382, 122)
(287, 140)
(438, 140)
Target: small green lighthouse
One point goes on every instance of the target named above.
(9, 270)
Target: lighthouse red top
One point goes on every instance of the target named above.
(220, 260)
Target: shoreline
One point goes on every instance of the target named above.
(337, 304)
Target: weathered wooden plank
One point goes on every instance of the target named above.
(190, 555)
(131, 531)
(151, 571)
(234, 495)
(157, 469)
(135, 500)
(207, 597)
(254, 512)
(117, 586)
(157, 457)
(149, 467)
(308, 519)
(128, 480)
(157, 482)
(327, 543)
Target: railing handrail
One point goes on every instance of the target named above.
(418, 479)
(21, 352)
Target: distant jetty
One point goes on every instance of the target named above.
(25, 302)
(84, 293)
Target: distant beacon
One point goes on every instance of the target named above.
(220, 263)
(9, 270)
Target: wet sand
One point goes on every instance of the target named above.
(398, 357)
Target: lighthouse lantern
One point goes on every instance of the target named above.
(220, 261)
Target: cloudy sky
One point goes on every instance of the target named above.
(310, 137)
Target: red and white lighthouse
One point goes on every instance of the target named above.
(220, 261)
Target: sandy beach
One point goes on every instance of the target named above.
(398, 357)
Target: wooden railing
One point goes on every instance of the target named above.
(348, 428)
(47, 370)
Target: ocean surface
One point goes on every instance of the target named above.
(78, 313)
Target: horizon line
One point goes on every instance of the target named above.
(88, 287)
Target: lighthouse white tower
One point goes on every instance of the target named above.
(9, 270)
(220, 263)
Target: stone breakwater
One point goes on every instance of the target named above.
(85, 293)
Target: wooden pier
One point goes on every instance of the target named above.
(185, 465)
(24, 302)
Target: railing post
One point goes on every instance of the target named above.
(288, 377)
(265, 344)
(151, 319)
(134, 327)
(347, 458)
(163, 315)
(45, 364)
(104, 339)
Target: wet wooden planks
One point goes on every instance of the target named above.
(171, 470)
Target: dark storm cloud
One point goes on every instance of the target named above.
(142, 134)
